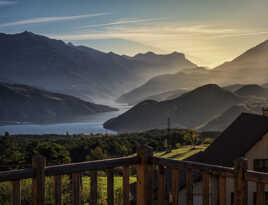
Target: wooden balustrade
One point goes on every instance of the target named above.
(145, 164)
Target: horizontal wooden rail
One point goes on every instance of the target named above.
(90, 166)
(257, 176)
(253, 176)
(196, 166)
(69, 168)
(14, 175)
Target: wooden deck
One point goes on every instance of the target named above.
(145, 164)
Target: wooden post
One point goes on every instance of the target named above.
(110, 187)
(16, 193)
(240, 182)
(189, 186)
(161, 185)
(38, 181)
(94, 188)
(260, 194)
(57, 190)
(222, 190)
(175, 186)
(205, 181)
(126, 187)
(76, 192)
(145, 177)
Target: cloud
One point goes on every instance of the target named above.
(214, 44)
(50, 19)
(123, 21)
(151, 34)
(154, 32)
(7, 3)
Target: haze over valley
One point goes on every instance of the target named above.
(83, 62)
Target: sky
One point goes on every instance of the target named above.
(208, 32)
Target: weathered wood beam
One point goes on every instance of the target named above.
(175, 186)
(126, 186)
(57, 190)
(161, 185)
(240, 182)
(110, 187)
(145, 177)
(38, 181)
(16, 193)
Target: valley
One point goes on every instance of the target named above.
(157, 86)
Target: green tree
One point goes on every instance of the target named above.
(10, 155)
(54, 153)
(192, 137)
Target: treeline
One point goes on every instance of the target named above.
(16, 151)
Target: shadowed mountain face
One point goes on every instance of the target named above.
(265, 85)
(233, 87)
(20, 103)
(170, 95)
(36, 60)
(225, 119)
(166, 83)
(253, 91)
(249, 68)
(189, 110)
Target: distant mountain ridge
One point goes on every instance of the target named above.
(253, 90)
(221, 122)
(170, 95)
(36, 60)
(250, 67)
(165, 83)
(21, 103)
(190, 110)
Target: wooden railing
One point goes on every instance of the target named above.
(145, 164)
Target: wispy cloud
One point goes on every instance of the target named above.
(7, 3)
(213, 43)
(50, 19)
(123, 21)
(157, 32)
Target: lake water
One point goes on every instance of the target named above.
(90, 124)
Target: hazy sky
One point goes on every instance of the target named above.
(209, 32)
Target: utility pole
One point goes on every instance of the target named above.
(166, 138)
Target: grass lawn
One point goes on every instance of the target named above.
(181, 153)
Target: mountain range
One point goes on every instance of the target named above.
(21, 103)
(207, 108)
(190, 110)
(35, 60)
(253, 90)
(249, 68)
(35, 69)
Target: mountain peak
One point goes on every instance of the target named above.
(208, 91)
(27, 33)
(210, 87)
(175, 53)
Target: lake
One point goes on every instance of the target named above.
(89, 124)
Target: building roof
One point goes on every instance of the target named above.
(235, 141)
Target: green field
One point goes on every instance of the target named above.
(181, 153)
